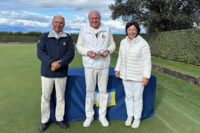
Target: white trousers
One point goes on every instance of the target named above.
(93, 77)
(47, 88)
(134, 98)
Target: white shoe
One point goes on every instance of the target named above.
(104, 122)
(88, 122)
(136, 123)
(129, 121)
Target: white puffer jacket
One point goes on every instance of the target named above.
(97, 40)
(134, 59)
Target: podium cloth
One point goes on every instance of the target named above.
(76, 91)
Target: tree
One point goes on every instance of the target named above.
(159, 15)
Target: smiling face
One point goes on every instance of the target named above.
(58, 24)
(94, 18)
(132, 32)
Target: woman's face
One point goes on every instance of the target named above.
(132, 32)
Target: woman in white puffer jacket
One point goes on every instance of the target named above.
(134, 68)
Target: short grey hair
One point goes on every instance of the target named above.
(59, 16)
(94, 11)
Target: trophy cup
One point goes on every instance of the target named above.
(98, 53)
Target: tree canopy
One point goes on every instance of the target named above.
(159, 15)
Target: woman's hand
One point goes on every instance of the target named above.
(117, 74)
(145, 81)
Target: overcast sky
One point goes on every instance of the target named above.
(36, 15)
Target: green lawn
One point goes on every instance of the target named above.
(177, 66)
(177, 105)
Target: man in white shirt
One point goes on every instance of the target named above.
(95, 44)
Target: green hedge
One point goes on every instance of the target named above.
(32, 33)
(20, 38)
(182, 46)
(74, 37)
(4, 38)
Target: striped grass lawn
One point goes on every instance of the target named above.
(177, 66)
(177, 105)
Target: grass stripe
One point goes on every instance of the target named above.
(21, 85)
(185, 114)
(166, 123)
(177, 66)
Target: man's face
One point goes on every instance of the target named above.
(58, 24)
(94, 19)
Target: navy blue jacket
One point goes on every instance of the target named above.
(50, 49)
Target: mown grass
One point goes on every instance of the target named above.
(177, 105)
(177, 66)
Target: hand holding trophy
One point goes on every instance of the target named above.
(102, 53)
(98, 53)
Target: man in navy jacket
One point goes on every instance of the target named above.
(55, 50)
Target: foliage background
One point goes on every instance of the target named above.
(181, 46)
(178, 45)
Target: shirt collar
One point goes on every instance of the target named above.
(52, 33)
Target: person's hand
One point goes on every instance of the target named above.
(117, 74)
(105, 53)
(55, 65)
(91, 54)
(145, 81)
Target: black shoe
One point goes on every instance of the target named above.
(61, 124)
(43, 127)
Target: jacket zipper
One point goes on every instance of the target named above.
(125, 62)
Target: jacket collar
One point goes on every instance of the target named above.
(134, 40)
(92, 30)
(58, 36)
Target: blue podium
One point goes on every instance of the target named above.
(76, 92)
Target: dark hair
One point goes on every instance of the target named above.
(133, 23)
